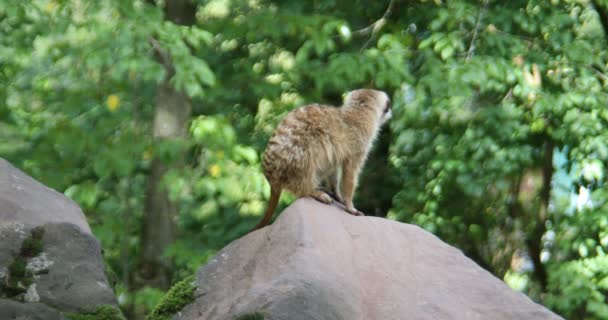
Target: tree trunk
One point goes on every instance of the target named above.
(537, 216)
(535, 240)
(171, 116)
(173, 109)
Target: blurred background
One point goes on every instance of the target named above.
(152, 116)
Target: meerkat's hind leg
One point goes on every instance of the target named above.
(336, 198)
(354, 212)
(309, 188)
(334, 190)
(322, 197)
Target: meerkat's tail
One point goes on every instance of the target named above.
(275, 194)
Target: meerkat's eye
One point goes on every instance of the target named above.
(388, 106)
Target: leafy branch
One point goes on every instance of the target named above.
(476, 30)
(373, 29)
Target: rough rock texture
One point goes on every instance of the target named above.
(76, 279)
(10, 310)
(68, 274)
(27, 201)
(316, 262)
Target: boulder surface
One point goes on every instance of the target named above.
(50, 262)
(316, 262)
(27, 201)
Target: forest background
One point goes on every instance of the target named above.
(152, 116)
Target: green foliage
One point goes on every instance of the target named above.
(499, 125)
(105, 312)
(147, 298)
(580, 286)
(180, 295)
(495, 102)
(251, 316)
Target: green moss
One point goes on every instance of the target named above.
(17, 280)
(18, 277)
(32, 246)
(17, 268)
(251, 316)
(110, 274)
(104, 312)
(181, 294)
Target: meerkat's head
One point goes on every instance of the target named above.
(377, 100)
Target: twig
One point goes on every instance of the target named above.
(367, 30)
(164, 56)
(599, 73)
(476, 30)
(375, 27)
(507, 96)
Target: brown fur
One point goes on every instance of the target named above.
(316, 143)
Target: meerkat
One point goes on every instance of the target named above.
(316, 143)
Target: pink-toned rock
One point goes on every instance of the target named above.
(316, 262)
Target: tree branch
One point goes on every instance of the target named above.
(599, 73)
(162, 56)
(476, 30)
(374, 28)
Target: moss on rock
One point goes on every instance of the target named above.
(251, 316)
(181, 294)
(32, 246)
(17, 268)
(105, 312)
(19, 278)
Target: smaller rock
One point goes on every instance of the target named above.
(75, 279)
(47, 253)
(29, 202)
(12, 310)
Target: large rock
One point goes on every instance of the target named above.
(318, 262)
(66, 272)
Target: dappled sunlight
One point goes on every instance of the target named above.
(153, 116)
